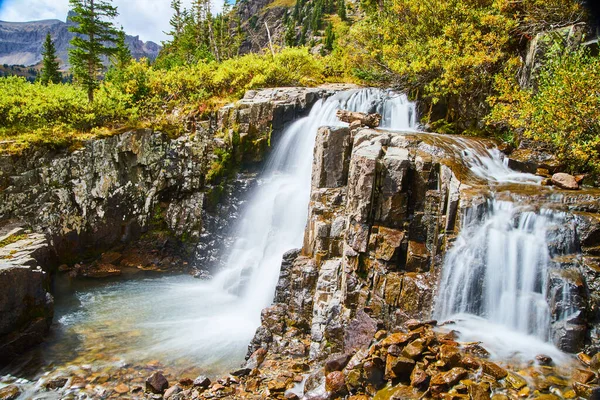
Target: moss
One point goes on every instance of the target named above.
(12, 239)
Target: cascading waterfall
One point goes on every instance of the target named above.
(213, 321)
(495, 278)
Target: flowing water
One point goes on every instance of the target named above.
(182, 321)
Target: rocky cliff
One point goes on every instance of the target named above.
(21, 43)
(384, 208)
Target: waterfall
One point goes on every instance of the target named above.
(276, 215)
(215, 320)
(494, 281)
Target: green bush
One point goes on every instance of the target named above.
(563, 111)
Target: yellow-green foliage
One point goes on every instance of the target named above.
(447, 52)
(564, 111)
(140, 94)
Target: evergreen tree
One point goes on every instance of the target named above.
(94, 32)
(317, 16)
(329, 37)
(122, 55)
(50, 72)
(290, 34)
(341, 10)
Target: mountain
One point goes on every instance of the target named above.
(21, 42)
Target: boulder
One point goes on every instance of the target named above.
(565, 181)
(202, 382)
(359, 119)
(157, 383)
(10, 392)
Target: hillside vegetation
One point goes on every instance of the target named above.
(460, 59)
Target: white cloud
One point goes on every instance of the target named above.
(147, 18)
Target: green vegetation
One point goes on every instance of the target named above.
(94, 32)
(562, 111)
(50, 69)
(140, 95)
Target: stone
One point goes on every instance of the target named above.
(335, 382)
(57, 383)
(399, 367)
(419, 378)
(202, 382)
(414, 349)
(479, 391)
(493, 370)
(583, 375)
(121, 388)
(449, 355)
(276, 386)
(10, 392)
(336, 362)
(157, 383)
(399, 338)
(449, 378)
(515, 381)
(331, 158)
(565, 181)
(173, 390)
(360, 332)
(368, 120)
(256, 359)
(417, 257)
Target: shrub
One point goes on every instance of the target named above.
(563, 111)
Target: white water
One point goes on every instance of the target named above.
(494, 280)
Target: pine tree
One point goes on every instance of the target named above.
(122, 55)
(50, 72)
(341, 10)
(290, 34)
(94, 32)
(329, 37)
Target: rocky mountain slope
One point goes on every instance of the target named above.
(21, 42)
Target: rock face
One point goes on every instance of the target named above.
(22, 42)
(111, 190)
(26, 306)
(384, 207)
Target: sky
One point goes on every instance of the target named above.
(147, 18)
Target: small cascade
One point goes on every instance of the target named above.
(495, 277)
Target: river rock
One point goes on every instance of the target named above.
(565, 181)
(202, 382)
(335, 382)
(157, 383)
(10, 392)
(172, 391)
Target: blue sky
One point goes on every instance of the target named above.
(146, 18)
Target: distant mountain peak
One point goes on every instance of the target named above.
(21, 42)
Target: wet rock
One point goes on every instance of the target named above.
(414, 349)
(587, 391)
(335, 382)
(336, 362)
(449, 378)
(157, 383)
(121, 388)
(583, 376)
(172, 391)
(368, 120)
(544, 360)
(515, 381)
(449, 355)
(493, 370)
(479, 391)
(565, 181)
(202, 382)
(399, 367)
(10, 392)
(476, 350)
(419, 378)
(57, 383)
(256, 359)
(276, 386)
(360, 332)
